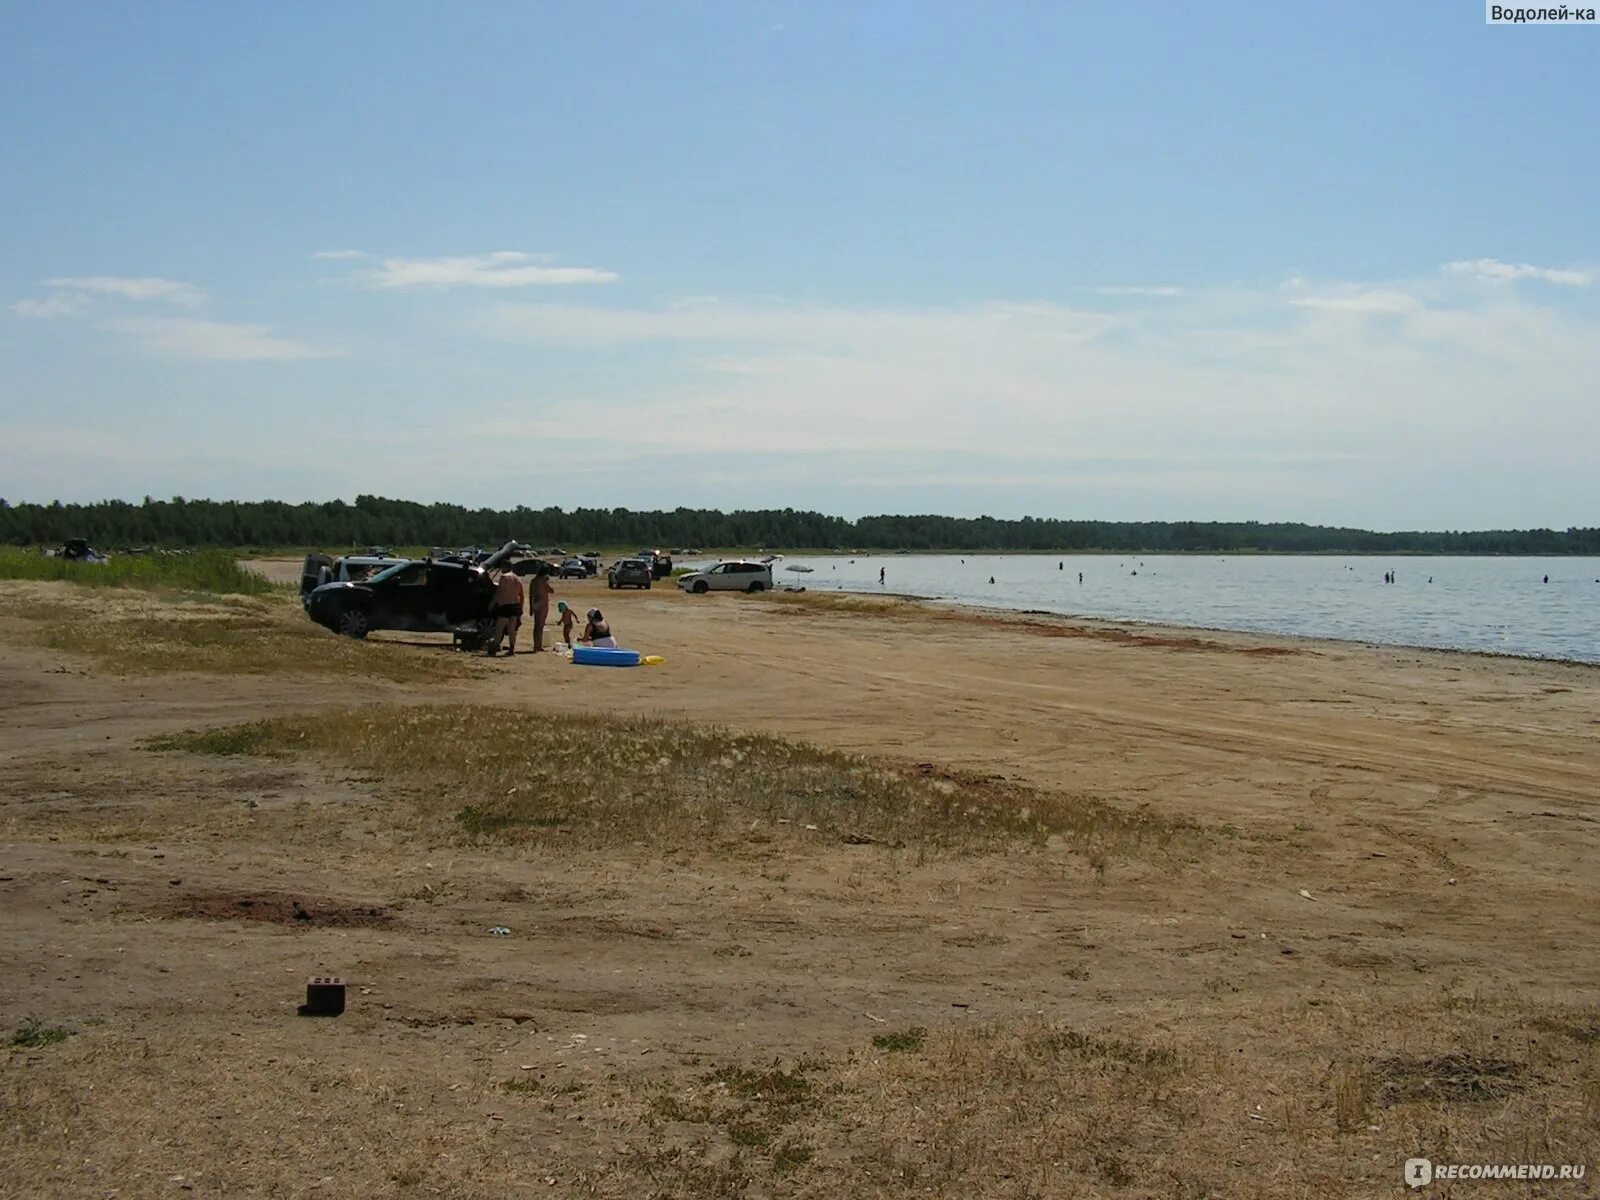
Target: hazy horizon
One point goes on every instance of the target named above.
(1331, 265)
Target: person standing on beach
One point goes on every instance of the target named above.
(542, 591)
(507, 611)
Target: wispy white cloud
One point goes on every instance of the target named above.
(185, 337)
(1503, 272)
(62, 304)
(1134, 290)
(1361, 300)
(500, 269)
(821, 329)
(340, 254)
(1277, 384)
(126, 287)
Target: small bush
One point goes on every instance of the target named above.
(902, 1040)
(33, 1035)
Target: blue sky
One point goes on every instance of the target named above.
(1333, 262)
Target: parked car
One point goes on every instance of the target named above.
(736, 575)
(79, 550)
(630, 572)
(319, 569)
(591, 564)
(660, 563)
(574, 568)
(419, 595)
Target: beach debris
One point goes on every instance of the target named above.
(878, 1019)
(1452, 881)
(1306, 895)
(324, 996)
(499, 931)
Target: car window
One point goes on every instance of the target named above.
(386, 574)
(415, 575)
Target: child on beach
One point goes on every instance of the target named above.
(569, 618)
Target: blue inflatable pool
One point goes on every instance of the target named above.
(599, 656)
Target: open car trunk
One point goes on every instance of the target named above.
(314, 572)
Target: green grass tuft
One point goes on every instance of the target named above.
(498, 775)
(215, 572)
(901, 1040)
(33, 1035)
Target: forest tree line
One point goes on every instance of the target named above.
(372, 520)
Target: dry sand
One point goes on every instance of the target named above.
(1396, 865)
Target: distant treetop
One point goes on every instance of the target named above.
(373, 520)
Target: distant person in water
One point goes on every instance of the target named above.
(991, 579)
(598, 632)
(1547, 579)
(1080, 576)
(881, 572)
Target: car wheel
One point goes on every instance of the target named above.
(756, 586)
(353, 623)
(648, 586)
(700, 588)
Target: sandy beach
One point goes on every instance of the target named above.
(1379, 860)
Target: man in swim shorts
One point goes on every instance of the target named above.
(507, 611)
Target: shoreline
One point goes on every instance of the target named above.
(1291, 640)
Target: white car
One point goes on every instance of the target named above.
(737, 575)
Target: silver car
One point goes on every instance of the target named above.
(736, 575)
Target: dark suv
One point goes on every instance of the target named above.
(630, 572)
(426, 596)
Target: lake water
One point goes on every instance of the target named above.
(1499, 605)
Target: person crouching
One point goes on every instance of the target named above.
(597, 632)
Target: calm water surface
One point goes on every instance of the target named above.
(1499, 605)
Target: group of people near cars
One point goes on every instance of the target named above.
(510, 596)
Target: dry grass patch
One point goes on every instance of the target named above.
(524, 777)
(1257, 1100)
(132, 632)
